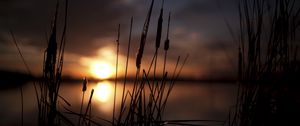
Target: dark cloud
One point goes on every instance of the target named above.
(88, 20)
(207, 17)
(196, 26)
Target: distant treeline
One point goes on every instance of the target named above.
(11, 79)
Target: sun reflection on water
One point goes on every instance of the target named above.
(103, 97)
(104, 91)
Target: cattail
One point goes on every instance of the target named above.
(52, 48)
(159, 27)
(84, 86)
(143, 38)
(84, 83)
(88, 107)
(116, 79)
(167, 42)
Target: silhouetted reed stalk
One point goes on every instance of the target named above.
(158, 37)
(52, 72)
(148, 98)
(88, 107)
(173, 79)
(154, 85)
(136, 87)
(116, 78)
(29, 72)
(267, 93)
(123, 100)
(143, 39)
(157, 45)
(22, 105)
(130, 115)
(166, 48)
(144, 104)
(167, 44)
(84, 87)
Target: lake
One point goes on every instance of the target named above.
(187, 101)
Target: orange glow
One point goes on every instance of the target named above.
(103, 91)
(101, 70)
(102, 65)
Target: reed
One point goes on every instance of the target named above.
(143, 38)
(167, 44)
(147, 100)
(158, 36)
(267, 91)
(84, 87)
(52, 72)
(28, 70)
(88, 109)
(123, 100)
(116, 78)
(143, 105)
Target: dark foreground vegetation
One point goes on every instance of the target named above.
(268, 64)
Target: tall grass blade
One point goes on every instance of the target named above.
(116, 78)
(84, 87)
(143, 38)
(123, 100)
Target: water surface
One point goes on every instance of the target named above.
(188, 101)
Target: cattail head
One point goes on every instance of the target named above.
(167, 41)
(139, 58)
(118, 40)
(159, 29)
(167, 45)
(143, 38)
(92, 92)
(84, 83)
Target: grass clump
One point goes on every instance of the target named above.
(52, 71)
(144, 104)
(268, 64)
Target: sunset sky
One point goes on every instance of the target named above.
(197, 28)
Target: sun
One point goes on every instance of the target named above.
(101, 70)
(103, 91)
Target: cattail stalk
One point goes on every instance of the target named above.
(125, 76)
(49, 71)
(88, 107)
(174, 78)
(143, 38)
(139, 56)
(52, 72)
(159, 26)
(116, 78)
(84, 87)
(167, 44)
(158, 36)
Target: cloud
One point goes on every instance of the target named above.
(195, 29)
(88, 20)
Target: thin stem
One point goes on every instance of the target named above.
(29, 72)
(22, 106)
(126, 70)
(82, 99)
(88, 106)
(116, 79)
(165, 62)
